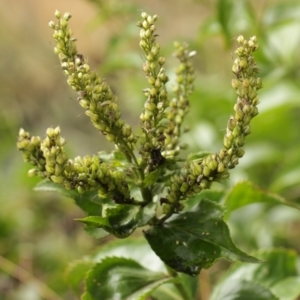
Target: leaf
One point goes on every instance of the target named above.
(278, 265)
(97, 233)
(213, 195)
(121, 278)
(195, 240)
(242, 290)
(133, 248)
(170, 292)
(198, 155)
(88, 202)
(224, 12)
(287, 289)
(76, 272)
(151, 178)
(140, 250)
(245, 193)
(121, 220)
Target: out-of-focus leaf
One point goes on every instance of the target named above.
(282, 13)
(121, 220)
(88, 202)
(224, 12)
(75, 273)
(242, 290)
(195, 240)
(278, 265)
(245, 193)
(121, 278)
(288, 179)
(235, 17)
(287, 289)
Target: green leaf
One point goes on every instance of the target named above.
(169, 291)
(97, 233)
(76, 272)
(245, 193)
(287, 289)
(88, 202)
(278, 265)
(121, 220)
(133, 248)
(224, 12)
(198, 155)
(151, 178)
(121, 278)
(243, 290)
(195, 240)
(213, 195)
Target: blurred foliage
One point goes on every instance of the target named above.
(37, 231)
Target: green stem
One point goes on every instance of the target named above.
(178, 284)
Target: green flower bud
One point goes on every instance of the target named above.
(57, 179)
(50, 133)
(231, 123)
(235, 83)
(240, 39)
(80, 189)
(213, 165)
(32, 172)
(150, 106)
(221, 167)
(240, 152)
(204, 184)
(206, 171)
(57, 14)
(50, 169)
(240, 140)
(243, 63)
(184, 187)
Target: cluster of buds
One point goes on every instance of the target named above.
(199, 174)
(157, 97)
(81, 174)
(95, 95)
(32, 153)
(179, 105)
(161, 123)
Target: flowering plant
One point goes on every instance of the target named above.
(144, 182)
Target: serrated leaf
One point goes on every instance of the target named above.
(75, 273)
(121, 220)
(121, 278)
(278, 265)
(244, 290)
(133, 248)
(88, 202)
(245, 193)
(195, 240)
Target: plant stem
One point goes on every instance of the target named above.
(178, 284)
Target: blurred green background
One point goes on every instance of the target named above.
(37, 231)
